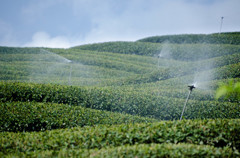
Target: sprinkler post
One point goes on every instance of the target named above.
(190, 91)
(221, 24)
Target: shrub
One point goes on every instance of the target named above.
(217, 133)
(123, 100)
(32, 116)
(140, 151)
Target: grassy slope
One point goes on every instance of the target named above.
(223, 38)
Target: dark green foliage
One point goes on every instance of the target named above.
(185, 52)
(195, 52)
(122, 77)
(123, 47)
(164, 150)
(140, 151)
(41, 93)
(227, 72)
(16, 50)
(223, 38)
(217, 133)
(118, 100)
(30, 116)
(230, 91)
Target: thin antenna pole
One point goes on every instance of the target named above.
(185, 104)
(221, 24)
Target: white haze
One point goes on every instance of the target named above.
(165, 52)
(42, 39)
(50, 68)
(49, 56)
(202, 76)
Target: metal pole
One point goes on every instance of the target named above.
(221, 24)
(185, 104)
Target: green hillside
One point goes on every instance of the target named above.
(117, 99)
(216, 38)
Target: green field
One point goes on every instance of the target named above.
(121, 99)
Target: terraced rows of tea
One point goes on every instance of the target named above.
(117, 99)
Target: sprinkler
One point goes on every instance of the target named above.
(191, 87)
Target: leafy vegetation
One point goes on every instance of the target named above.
(142, 103)
(141, 150)
(31, 116)
(183, 51)
(217, 133)
(223, 38)
(231, 91)
(113, 99)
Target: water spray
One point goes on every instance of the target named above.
(191, 87)
(159, 56)
(70, 73)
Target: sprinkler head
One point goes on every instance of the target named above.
(191, 87)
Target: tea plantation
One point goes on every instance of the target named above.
(121, 99)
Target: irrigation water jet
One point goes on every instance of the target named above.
(159, 56)
(70, 73)
(191, 87)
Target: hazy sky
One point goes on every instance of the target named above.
(66, 23)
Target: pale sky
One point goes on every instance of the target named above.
(67, 23)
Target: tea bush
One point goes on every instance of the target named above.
(182, 52)
(141, 150)
(216, 133)
(31, 116)
(118, 100)
(223, 38)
